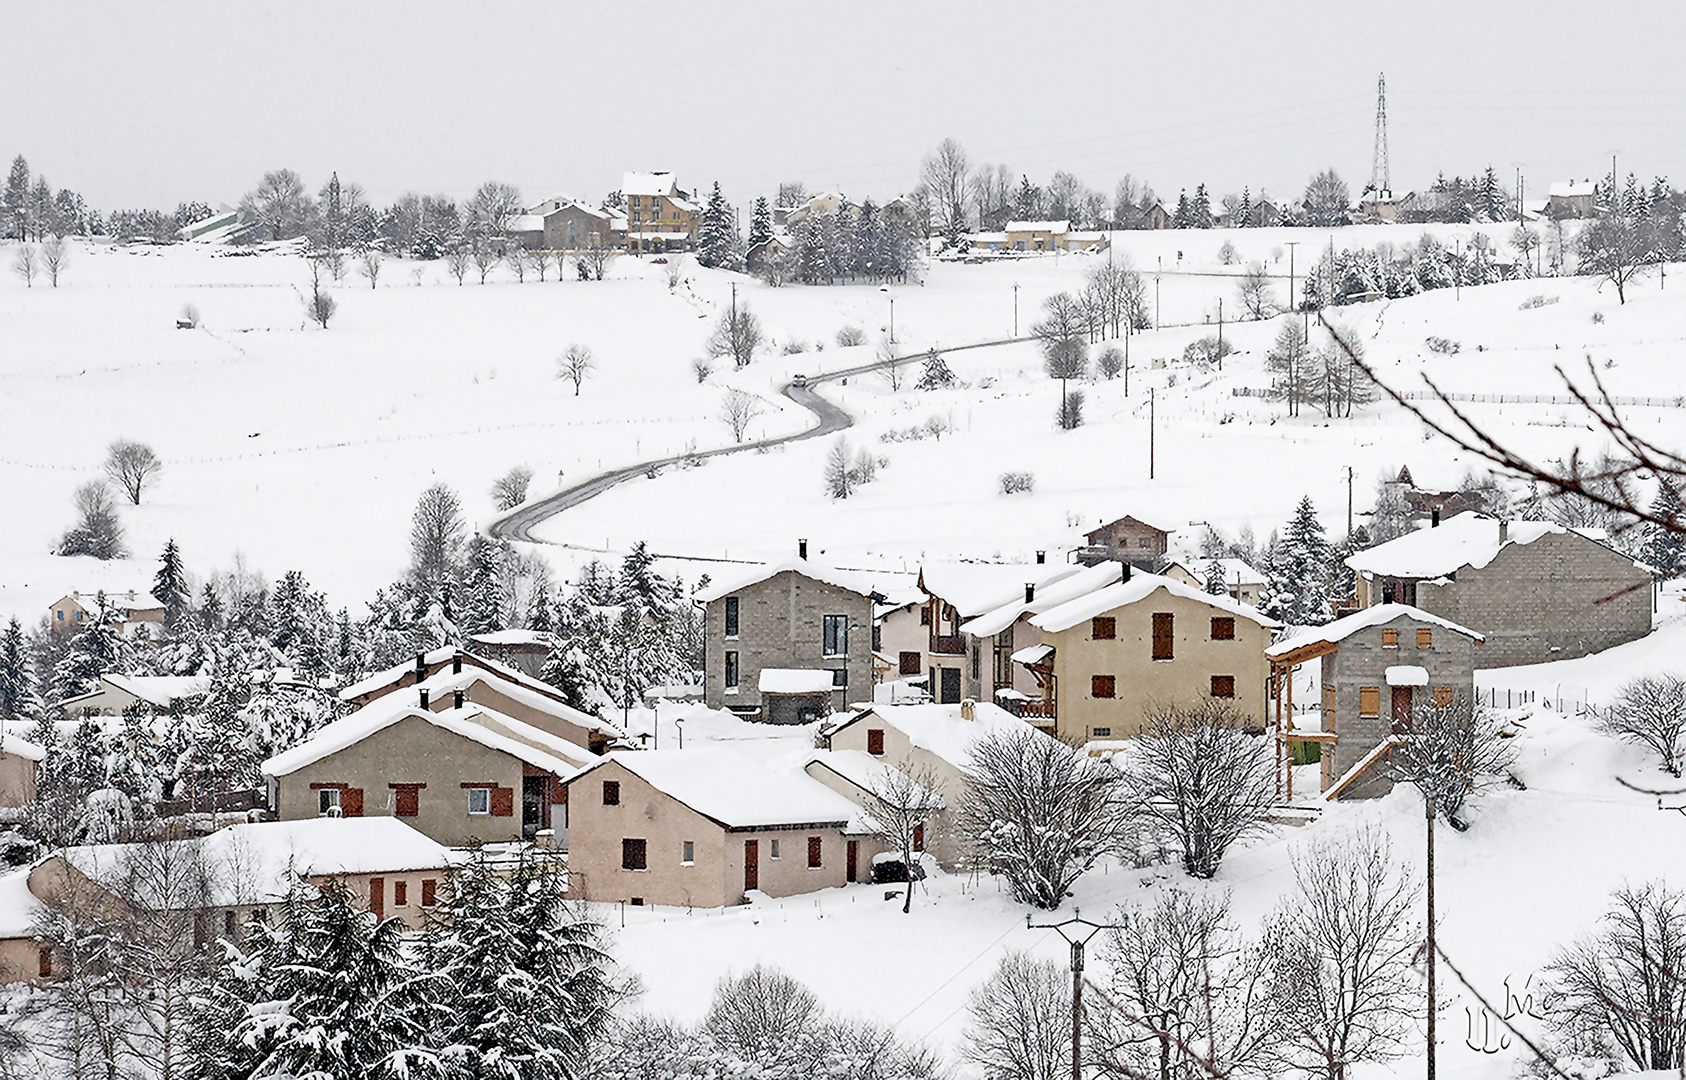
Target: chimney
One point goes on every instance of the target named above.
(421, 666)
(968, 709)
(456, 699)
(456, 663)
(1434, 517)
(1029, 593)
(1124, 574)
(802, 549)
(1041, 558)
(424, 697)
(1504, 531)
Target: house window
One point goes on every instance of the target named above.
(1369, 701)
(1103, 628)
(919, 837)
(1442, 696)
(908, 664)
(44, 962)
(688, 853)
(1145, 542)
(1223, 686)
(1100, 733)
(1102, 686)
(1425, 639)
(400, 893)
(836, 632)
(814, 852)
(479, 800)
(924, 616)
(1223, 628)
(875, 741)
(772, 849)
(60, 614)
(840, 677)
(327, 801)
(1390, 639)
(611, 793)
(731, 616)
(430, 892)
(1164, 626)
(731, 672)
(632, 855)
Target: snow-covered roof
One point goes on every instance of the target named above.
(393, 675)
(1407, 675)
(1039, 226)
(160, 690)
(18, 746)
(477, 723)
(1162, 523)
(1139, 587)
(514, 637)
(443, 682)
(1033, 654)
(989, 237)
(1343, 628)
(259, 863)
(1062, 591)
(649, 183)
(941, 729)
(1435, 551)
(776, 680)
(734, 788)
(526, 223)
(860, 768)
(1573, 189)
(978, 587)
(1234, 571)
(21, 911)
(829, 575)
(132, 599)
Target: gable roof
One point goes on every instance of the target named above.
(473, 722)
(1157, 524)
(733, 788)
(1061, 591)
(649, 183)
(444, 681)
(941, 729)
(1039, 226)
(861, 769)
(1464, 540)
(851, 580)
(18, 746)
(977, 587)
(1140, 587)
(393, 675)
(1345, 627)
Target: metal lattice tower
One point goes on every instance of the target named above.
(1379, 180)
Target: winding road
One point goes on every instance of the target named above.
(518, 523)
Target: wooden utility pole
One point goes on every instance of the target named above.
(1428, 808)
(1127, 336)
(1150, 433)
(1220, 333)
(1349, 502)
(1291, 245)
(1077, 931)
(1015, 309)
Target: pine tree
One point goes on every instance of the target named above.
(540, 617)
(1298, 571)
(16, 695)
(96, 650)
(1244, 212)
(1200, 209)
(716, 233)
(936, 374)
(1182, 218)
(566, 670)
(14, 207)
(482, 608)
(760, 223)
(1027, 204)
(169, 584)
(221, 755)
(813, 259)
(1665, 549)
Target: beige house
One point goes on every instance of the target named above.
(20, 762)
(957, 592)
(934, 739)
(705, 827)
(462, 775)
(158, 694)
(1241, 581)
(1031, 236)
(1109, 658)
(660, 217)
(570, 225)
(231, 874)
(136, 611)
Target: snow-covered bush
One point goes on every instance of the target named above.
(1070, 413)
(1443, 346)
(1651, 711)
(1014, 483)
(1206, 350)
(1111, 361)
(1538, 301)
(851, 335)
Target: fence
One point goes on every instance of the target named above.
(1495, 698)
(1569, 700)
(1540, 399)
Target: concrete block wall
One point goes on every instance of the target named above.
(781, 625)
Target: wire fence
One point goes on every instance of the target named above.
(1497, 399)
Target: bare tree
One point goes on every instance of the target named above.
(1294, 378)
(131, 466)
(1327, 200)
(1616, 247)
(1626, 983)
(902, 804)
(1257, 298)
(1185, 993)
(593, 262)
(436, 539)
(894, 372)
(519, 260)
(369, 262)
(737, 334)
(575, 365)
(946, 174)
(458, 258)
(321, 307)
(164, 929)
(1196, 771)
(1110, 362)
(763, 1016)
(485, 257)
(1341, 951)
(849, 336)
(840, 477)
(280, 205)
(737, 409)
(1021, 1021)
(1041, 814)
(1651, 711)
(510, 489)
(702, 369)
(24, 265)
(55, 252)
(1065, 354)
(1448, 750)
(542, 258)
(97, 532)
(491, 209)
(82, 1004)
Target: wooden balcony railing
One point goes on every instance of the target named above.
(948, 645)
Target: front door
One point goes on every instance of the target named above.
(854, 855)
(951, 686)
(751, 865)
(377, 896)
(1401, 708)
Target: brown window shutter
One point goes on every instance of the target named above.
(400, 893)
(875, 741)
(908, 663)
(1223, 628)
(1164, 629)
(45, 961)
(1223, 686)
(406, 799)
(1103, 628)
(430, 891)
(1102, 686)
(1425, 639)
(919, 837)
(815, 847)
(351, 802)
(377, 896)
(1369, 701)
(503, 802)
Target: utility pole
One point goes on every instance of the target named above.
(1428, 809)
(1458, 270)
(734, 303)
(1349, 502)
(1156, 292)
(893, 320)
(1220, 333)
(1150, 433)
(1127, 336)
(1291, 245)
(1077, 931)
(1015, 309)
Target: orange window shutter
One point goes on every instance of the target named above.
(351, 802)
(503, 802)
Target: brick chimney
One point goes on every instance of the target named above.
(1504, 531)
(424, 697)
(1029, 593)
(456, 699)
(1434, 518)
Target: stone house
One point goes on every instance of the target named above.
(957, 592)
(136, 612)
(706, 826)
(1128, 539)
(1031, 236)
(1376, 665)
(660, 216)
(1109, 658)
(1572, 199)
(521, 650)
(1537, 590)
(787, 617)
(462, 775)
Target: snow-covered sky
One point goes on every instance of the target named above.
(150, 104)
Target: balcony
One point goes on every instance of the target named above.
(948, 644)
(1039, 710)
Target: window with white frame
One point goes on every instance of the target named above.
(479, 800)
(836, 635)
(327, 801)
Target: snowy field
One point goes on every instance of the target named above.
(293, 447)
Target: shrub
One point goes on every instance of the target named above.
(1443, 346)
(851, 335)
(1207, 350)
(1014, 483)
(1070, 414)
(1111, 361)
(1539, 301)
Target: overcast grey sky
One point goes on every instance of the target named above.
(148, 104)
